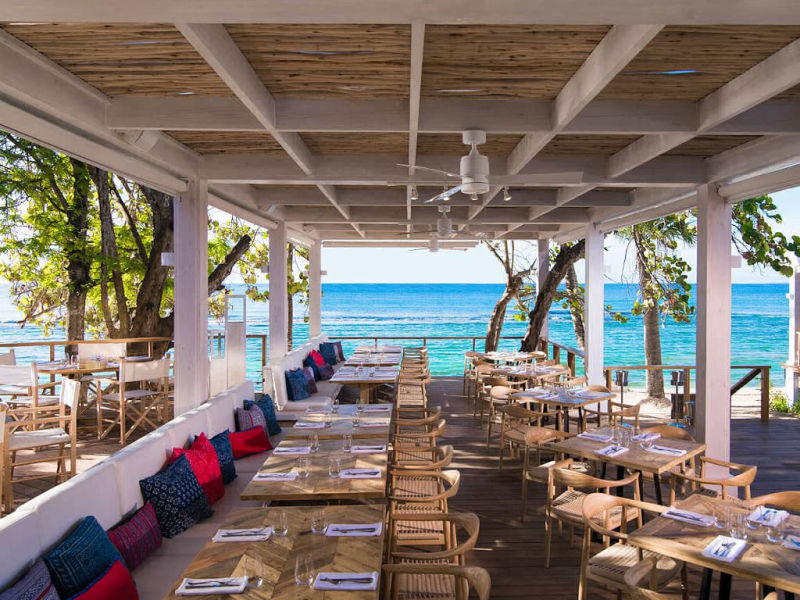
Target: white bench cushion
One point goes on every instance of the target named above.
(145, 457)
(21, 543)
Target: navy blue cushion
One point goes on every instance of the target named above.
(296, 385)
(222, 446)
(177, 497)
(328, 352)
(34, 585)
(268, 408)
(326, 372)
(81, 557)
(309, 362)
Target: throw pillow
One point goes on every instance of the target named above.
(328, 352)
(222, 446)
(318, 358)
(250, 441)
(296, 385)
(34, 585)
(252, 416)
(177, 497)
(326, 372)
(80, 558)
(138, 537)
(115, 582)
(312, 384)
(205, 466)
(267, 407)
(309, 362)
(339, 351)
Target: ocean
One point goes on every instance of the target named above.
(760, 322)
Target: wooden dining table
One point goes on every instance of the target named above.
(385, 348)
(319, 486)
(371, 424)
(770, 564)
(636, 458)
(366, 379)
(500, 356)
(574, 398)
(374, 359)
(273, 561)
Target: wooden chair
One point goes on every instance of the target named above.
(515, 421)
(566, 506)
(54, 431)
(422, 492)
(597, 413)
(743, 479)
(412, 458)
(450, 582)
(411, 394)
(141, 398)
(21, 384)
(609, 516)
(629, 412)
(416, 419)
(8, 358)
(499, 397)
(786, 500)
(451, 552)
(469, 366)
(422, 439)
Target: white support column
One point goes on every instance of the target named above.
(315, 289)
(593, 305)
(191, 297)
(544, 270)
(794, 329)
(278, 326)
(713, 408)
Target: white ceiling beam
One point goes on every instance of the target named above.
(644, 149)
(764, 154)
(647, 205)
(415, 87)
(767, 183)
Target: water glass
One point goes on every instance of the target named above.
(775, 533)
(304, 569)
(327, 420)
(313, 442)
(738, 523)
(335, 405)
(303, 467)
(722, 518)
(319, 521)
(334, 466)
(347, 442)
(280, 523)
(356, 420)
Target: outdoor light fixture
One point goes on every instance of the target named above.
(414, 194)
(167, 259)
(506, 195)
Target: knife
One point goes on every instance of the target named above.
(349, 529)
(339, 580)
(684, 515)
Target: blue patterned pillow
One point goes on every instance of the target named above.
(34, 585)
(328, 352)
(268, 408)
(177, 497)
(326, 372)
(309, 362)
(296, 385)
(81, 557)
(250, 416)
(222, 446)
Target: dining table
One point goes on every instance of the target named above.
(510, 357)
(280, 478)
(366, 379)
(374, 359)
(269, 565)
(392, 349)
(665, 454)
(771, 564)
(373, 420)
(563, 399)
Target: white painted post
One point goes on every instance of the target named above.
(191, 297)
(314, 289)
(593, 305)
(713, 408)
(794, 329)
(544, 269)
(278, 326)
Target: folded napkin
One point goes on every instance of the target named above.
(309, 425)
(292, 450)
(768, 517)
(368, 449)
(275, 477)
(611, 451)
(360, 474)
(202, 587)
(346, 581)
(350, 530)
(688, 516)
(724, 548)
(646, 437)
(381, 423)
(531, 393)
(242, 535)
(319, 410)
(55, 363)
(595, 437)
(666, 450)
(377, 408)
(590, 394)
(792, 541)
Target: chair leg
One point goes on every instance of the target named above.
(547, 533)
(9, 487)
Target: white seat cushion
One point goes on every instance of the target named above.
(131, 394)
(182, 429)
(21, 543)
(41, 437)
(28, 401)
(296, 409)
(145, 457)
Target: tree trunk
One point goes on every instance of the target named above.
(577, 315)
(567, 256)
(498, 317)
(652, 331)
(77, 252)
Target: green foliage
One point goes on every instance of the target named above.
(756, 239)
(778, 402)
(573, 301)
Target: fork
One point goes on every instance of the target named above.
(723, 549)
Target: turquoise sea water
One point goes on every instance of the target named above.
(760, 323)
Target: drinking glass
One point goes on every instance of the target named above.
(254, 571)
(722, 518)
(280, 523)
(347, 442)
(313, 442)
(327, 420)
(775, 533)
(334, 466)
(356, 420)
(335, 405)
(303, 467)
(319, 521)
(304, 569)
(738, 525)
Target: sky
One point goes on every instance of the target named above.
(477, 265)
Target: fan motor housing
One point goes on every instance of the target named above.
(474, 170)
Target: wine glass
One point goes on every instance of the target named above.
(304, 569)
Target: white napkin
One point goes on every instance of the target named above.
(380, 423)
(321, 410)
(687, 516)
(724, 548)
(351, 530)
(666, 450)
(792, 541)
(292, 450)
(377, 408)
(368, 449)
(226, 585)
(242, 535)
(595, 437)
(648, 436)
(275, 476)
(611, 451)
(590, 394)
(338, 581)
(309, 425)
(768, 517)
(360, 474)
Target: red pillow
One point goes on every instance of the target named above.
(205, 466)
(317, 357)
(115, 582)
(250, 441)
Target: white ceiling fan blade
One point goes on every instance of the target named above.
(445, 195)
(569, 177)
(448, 173)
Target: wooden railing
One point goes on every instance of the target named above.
(52, 344)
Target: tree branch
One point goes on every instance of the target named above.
(222, 270)
(141, 250)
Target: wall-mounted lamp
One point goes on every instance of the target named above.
(264, 269)
(167, 259)
(322, 273)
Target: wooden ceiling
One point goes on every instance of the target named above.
(709, 145)
(564, 145)
(238, 142)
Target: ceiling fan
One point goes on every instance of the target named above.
(474, 172)
(444, 229)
